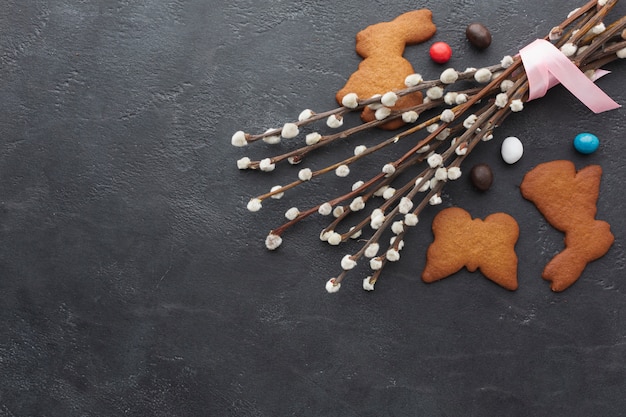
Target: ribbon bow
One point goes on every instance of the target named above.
(546, 67)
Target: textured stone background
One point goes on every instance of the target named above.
(134, 282)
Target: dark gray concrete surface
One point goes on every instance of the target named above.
(134, 282)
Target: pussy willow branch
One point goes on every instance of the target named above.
(467, 124)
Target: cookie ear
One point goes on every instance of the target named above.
(416, 26)
(391, 38)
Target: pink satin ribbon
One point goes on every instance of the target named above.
(546, 67)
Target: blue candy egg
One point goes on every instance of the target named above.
(586, 143)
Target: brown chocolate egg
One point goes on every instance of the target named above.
(481, 176)
(478, 35)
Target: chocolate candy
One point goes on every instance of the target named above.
(481, 176)
(440, 52)
(586, 143)
(478, 35)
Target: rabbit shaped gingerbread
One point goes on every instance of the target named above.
(384, 68)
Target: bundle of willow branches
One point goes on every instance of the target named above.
(469, 117)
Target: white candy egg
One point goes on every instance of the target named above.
(512, 150)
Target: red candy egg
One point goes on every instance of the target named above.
(440, 52)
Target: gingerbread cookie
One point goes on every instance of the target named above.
(567, 199)
(384, 68)
(488, 245)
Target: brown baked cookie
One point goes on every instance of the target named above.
(460, 241)
(567, 199)
(383, 68)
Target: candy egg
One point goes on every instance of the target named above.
(586, 143)
(481, 176)
(512, 150)
(478, 35)
(440, 52)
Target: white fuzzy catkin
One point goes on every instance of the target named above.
(389, 169)
(397, 227)
(377, 219)
(393, 255)
(325, 209)
(359, 150)
(389, 99)
(598, 29)
(334, 121)
(306, 114)
(277, 196)
(410, 219)
(239, 139)
(517, 105)
(254, 205)
(342, 171)
(469, 121)
(243, 163)
(435, 200)
(350, 100)
(376, 264)
(334, 239)
(569, 49)
(357, 204)
(409, 116)
(506, 61)
(405, 205)
(483, 75)
(389, 192)
(338, 211)
(443, 135)
(435, 160)
(376, 104)
(290, 130)
(502, 100)
(332, 286)
(432, 128)
(266, 165)
(441, 174)
(454, 173)
(506, 85)
(273, 241)
(450, 98)
(305, 174)
(413, 80)
(325, 234)
(461, 98)
(347, 263)
(449, 76)
(312, 138)
(271, 139)
(425, 184)
(382, 113)
(367, 284)
(447, 116)
(357, 185)
(356, 234)
(434, 93)
(372, 250)
(292, 213)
